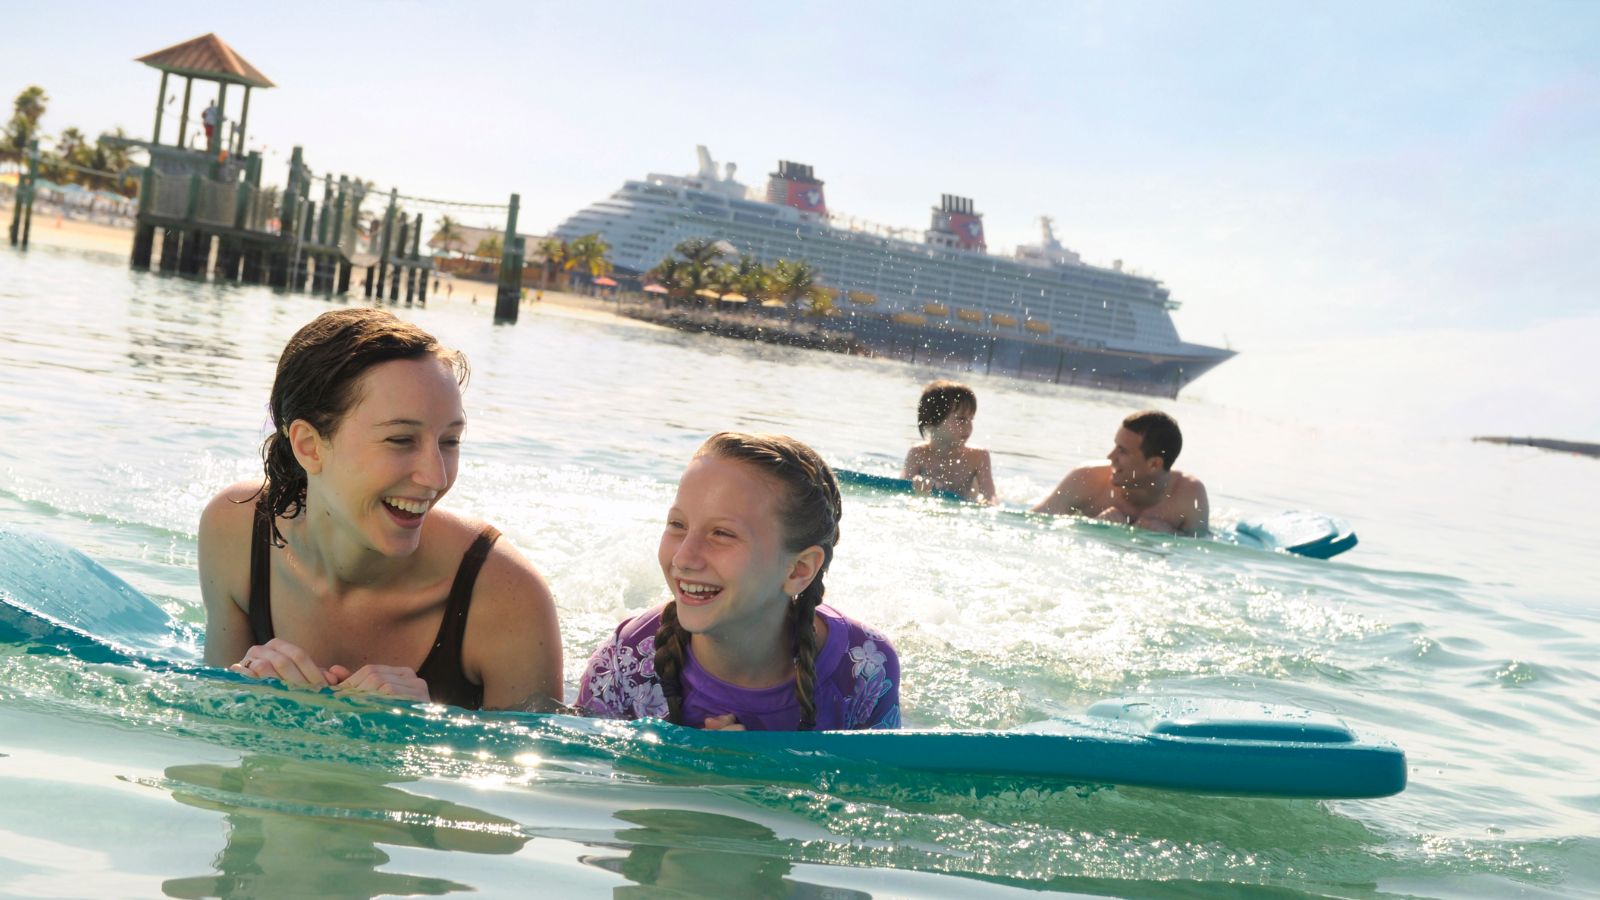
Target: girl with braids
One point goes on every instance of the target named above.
(746, 642)
(338, 569)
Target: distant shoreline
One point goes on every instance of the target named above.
(1577, 447)
(55, 229)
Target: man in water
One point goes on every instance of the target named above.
(1139, 486)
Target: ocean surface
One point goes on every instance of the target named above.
(1465, 627)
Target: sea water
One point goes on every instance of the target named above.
(1465, 628)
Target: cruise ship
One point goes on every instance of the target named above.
(938, 298)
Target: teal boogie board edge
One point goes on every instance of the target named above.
(51, 594)
(1306, 534)
(891, 483)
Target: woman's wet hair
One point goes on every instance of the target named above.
(940, 399)
(318, 381)
(809, 511)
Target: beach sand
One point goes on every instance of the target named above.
(50, 230)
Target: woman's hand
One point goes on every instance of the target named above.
(286, 662)
(724, 722)
(390, 681)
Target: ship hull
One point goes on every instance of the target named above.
(1155, 374)
(866, 334)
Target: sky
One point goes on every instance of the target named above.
(1390, 209)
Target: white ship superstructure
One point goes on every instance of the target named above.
(1043, 294)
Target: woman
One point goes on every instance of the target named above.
(339, 570)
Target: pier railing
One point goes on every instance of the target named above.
(168, 195)
(217, 204)
(218, 218)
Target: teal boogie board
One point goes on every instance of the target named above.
(1301, 533)
(55, 597)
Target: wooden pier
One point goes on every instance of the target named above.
(203, 211)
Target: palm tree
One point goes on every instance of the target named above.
(113, 157)
(795, 283)
(821, 305)
(554, 251)
(588, 253)
(489, 248)
(724, 278)
(70, 141)
(669, 274)
(449, 234)
(69, 151)
(752, 279)
(700, 258)
(26, 110)
(75, 150)
(701, 251)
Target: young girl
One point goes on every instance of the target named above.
(338, 569)
(944, 462)
(745, 642)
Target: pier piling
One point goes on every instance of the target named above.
(508, 290)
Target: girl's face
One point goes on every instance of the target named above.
(722, 552)
(955, 430)
(392, 457)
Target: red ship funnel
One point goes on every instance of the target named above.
(795, 185)
(954, 220)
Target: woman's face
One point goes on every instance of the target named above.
(394, 454)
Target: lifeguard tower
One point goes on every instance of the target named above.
(201, 193)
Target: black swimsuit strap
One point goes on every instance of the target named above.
(261, 576)
(447, 682)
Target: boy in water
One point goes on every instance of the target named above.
(1138, 486)
(944, 462)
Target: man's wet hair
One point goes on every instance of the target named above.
(1158, 435)
(940, 399)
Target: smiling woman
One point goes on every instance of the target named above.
(338, 569)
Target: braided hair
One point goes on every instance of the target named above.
(318, 381)
(809, 511)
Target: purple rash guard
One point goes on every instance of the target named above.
(857, 681)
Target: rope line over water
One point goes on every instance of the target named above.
(375, 191)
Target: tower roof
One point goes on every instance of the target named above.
(207, 57)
